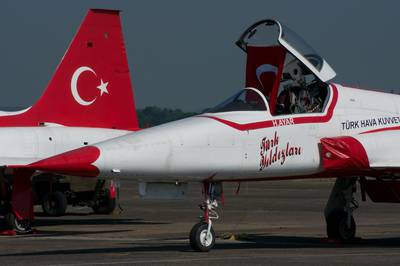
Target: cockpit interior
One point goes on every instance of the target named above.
(300, 91)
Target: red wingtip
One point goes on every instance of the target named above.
(76, 162)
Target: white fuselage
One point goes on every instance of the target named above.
(246, 144)
(24, 145)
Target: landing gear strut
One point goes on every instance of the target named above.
(339, 210)
(202, 235)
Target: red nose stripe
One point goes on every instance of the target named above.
(76, 162)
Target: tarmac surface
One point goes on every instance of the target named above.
(277, 223)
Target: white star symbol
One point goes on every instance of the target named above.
(103, 87)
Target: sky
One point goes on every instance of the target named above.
(191, 44)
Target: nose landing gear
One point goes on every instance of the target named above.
(202, 235)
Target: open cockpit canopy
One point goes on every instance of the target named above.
(267, 33)
(284, 68)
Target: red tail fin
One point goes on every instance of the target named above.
(91, 86)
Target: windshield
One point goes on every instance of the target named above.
(245, 100)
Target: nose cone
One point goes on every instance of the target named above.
(77, 162)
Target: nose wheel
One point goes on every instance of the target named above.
(202, 235)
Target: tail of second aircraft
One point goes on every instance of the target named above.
(91, 86)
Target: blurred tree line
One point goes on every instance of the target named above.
(153, 115)
(148, 116)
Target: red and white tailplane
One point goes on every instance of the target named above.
(91, 86)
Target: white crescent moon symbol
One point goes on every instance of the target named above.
(74, 89)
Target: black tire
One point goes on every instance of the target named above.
(20, 226)
(337, 227)
(54, 203)
(105, 205)
(197, 235)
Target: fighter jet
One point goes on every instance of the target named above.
(289, 122)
